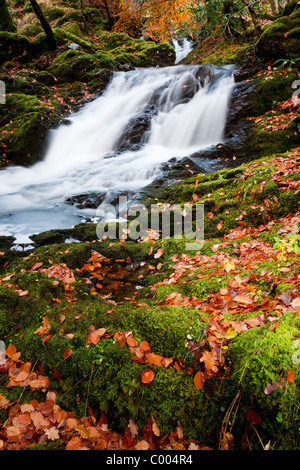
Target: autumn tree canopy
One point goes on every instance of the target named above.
(163, 19)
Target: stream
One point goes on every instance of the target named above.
(116, 144)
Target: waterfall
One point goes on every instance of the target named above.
(182, 48)
(116, 143)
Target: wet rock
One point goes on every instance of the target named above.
(48, 238)
(6, 242)
(241, 102)
(87, 201)
(134, 135)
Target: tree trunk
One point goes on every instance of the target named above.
(83, 15)
(110, 23)
(254, 17)
(274, 7)
(45, 25)
(6, 22)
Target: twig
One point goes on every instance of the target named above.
(88, 391)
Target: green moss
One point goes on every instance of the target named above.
(260, 357)
(280, 39)
(74, 65)
(271, 89)
(13, 46)
(24, 125)
(31, 30)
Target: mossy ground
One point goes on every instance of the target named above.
(104, 377)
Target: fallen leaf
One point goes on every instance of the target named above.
(199, 380)
(67, 353)
(290, 376)
(159, 253)
(52, 433)
(147, 376)
(142, 445)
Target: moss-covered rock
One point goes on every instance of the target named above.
(13, 45)
(271, 88)
(25, 125)
(259, 358)
(280, 39)
(74, 65)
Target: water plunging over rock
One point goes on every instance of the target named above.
(118, 144)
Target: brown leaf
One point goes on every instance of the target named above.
(133, 428)
(52, 433)
(12, 353)
(95, 336)
(159, 253)
(199, 380)
(67, 353)
(4, 402)
(75, 443)
(252, 322)
(145, 347)
(155, 429)
(243, 299)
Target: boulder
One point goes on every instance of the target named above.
(87, 201)
(12, 46)
(280, 39)
(134, 135)
(74, 65)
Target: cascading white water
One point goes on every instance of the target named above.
(182, 48)
(83, 156)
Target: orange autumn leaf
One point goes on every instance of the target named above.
(159, 253)
(95, 335)
(199, 380)
(4, 402)
(121, 338)
(154, 359)
(210, 361)
(167, 361)
(12, 353)
(243, 299)
(290, 376)
(67, 353)
(147, 376)
(131, 341)
(145, 347)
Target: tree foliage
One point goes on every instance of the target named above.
(156, 19)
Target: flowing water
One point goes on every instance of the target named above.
(186, 109)
(182, 48)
